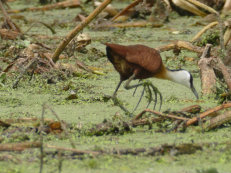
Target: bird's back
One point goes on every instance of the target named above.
(142, 56)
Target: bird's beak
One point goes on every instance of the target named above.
(194, 92)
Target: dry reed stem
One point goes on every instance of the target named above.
(133, 4)
(198, 35)
(199, 4)
(77, 29)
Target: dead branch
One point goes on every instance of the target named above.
(194, 109)
(218, 63)
(8, 34)
(64, 4)
(19, 146)
(207, 65)
(77, 29)
(208, 113)
(218, 120)
(146, 121)
(129, 25)
(180, 45)
(133, 4)
(162, 115)
(208, 77)
(7, 18)
(201, 5)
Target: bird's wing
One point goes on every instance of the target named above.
(147, 58)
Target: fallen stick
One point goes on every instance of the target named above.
(218, 120)
(19, 146)
(133, 4)
(129, 25)
(180, 45)
(77, 29)
(8, 34)
(207, 113)
(160, 114)
(64, 4)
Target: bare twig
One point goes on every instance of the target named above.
(19, 146)
(208, 77)
(129, 25)
(77, 29)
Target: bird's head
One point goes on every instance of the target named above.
(183, 77)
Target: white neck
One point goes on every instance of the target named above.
(181, 77)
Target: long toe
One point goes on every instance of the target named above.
(149, 96)
(141, 96)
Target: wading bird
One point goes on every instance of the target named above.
(142, 62)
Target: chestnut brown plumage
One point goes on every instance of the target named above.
(142, 62)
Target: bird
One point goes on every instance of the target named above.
(142, 62)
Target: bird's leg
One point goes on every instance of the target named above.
(114, 94)
(116, 101)
(127, 84)
(136, 88)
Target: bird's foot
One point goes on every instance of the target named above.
(150, 90)
(119, 103)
